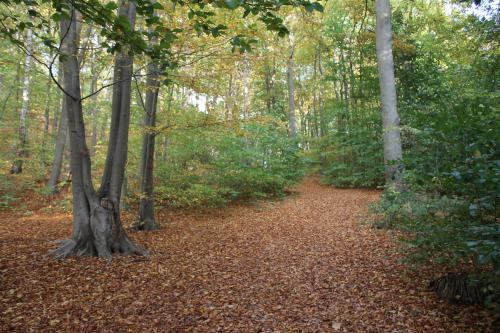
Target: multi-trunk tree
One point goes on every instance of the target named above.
(97, 227)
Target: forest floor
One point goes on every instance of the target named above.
(303, 264)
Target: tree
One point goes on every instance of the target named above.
(146, 205)
(62, 130)
(59, 149)
(393, 152)
(22, 153)
(292, 121)
(97, 228)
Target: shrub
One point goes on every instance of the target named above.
(210, 166)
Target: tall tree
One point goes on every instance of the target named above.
(393, 152)
(93, 89)
(59, 147)
(146, 206)
(62, 129)
(22, 153)
(292, 119)
(97, 228)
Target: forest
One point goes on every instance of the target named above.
(249, 165)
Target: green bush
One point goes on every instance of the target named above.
(453, 172)
(212, 165)
(353, 159)
(444, 230)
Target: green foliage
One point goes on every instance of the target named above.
(442, 230)
(448, 103)
(453, 172)
(353, 157)
(210, 166)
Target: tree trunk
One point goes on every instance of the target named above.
(93, 110)
(229, 102)
(62, 139)
(246, 88)
(146, 207)
(97, 228)
(60, 142)
(292, 121)
(59, 150)
(392, 138)
(46, 120)
(322, 119)
(22, 153)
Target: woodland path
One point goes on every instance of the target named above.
(304, 264)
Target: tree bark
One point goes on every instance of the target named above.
(97, 228)
(59, 150)
(93, 110)
(22, 153)
(146, 207)
(62, 130)
(322, 119)
(292, 120)
(46, 120)
(229, 100)
(393, 153)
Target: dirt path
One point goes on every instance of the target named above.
(300, 265)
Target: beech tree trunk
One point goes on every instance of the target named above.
(46, 120)
(59, 150)
(22, 153)
(393, 152)
(292, 120)
(93, 110)
(62, 129)
(97, 228)
(146, 207)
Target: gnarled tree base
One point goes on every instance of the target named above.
(71, 247)
(101, 237)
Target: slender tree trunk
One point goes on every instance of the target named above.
(164, 150)
(146, 206)
(292, 120)
(46, 120)
(229, 102)
(22, 153)
(62, 139)
(59, 149)
(97, 228)
(93, 110)
(322, 118)
(57, 113)
(393, 152)
(246, 88)
(267, 84)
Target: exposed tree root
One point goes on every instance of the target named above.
(458, 289)
(102, 237)
(122, 245)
